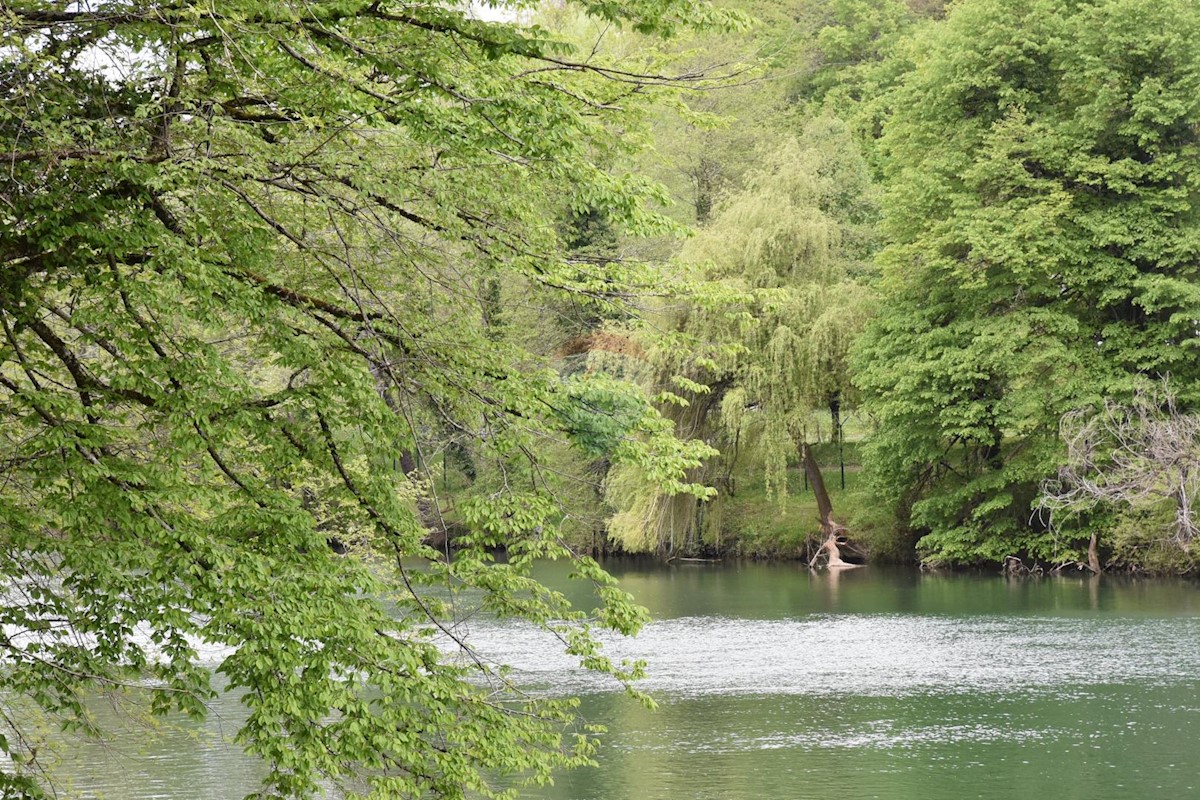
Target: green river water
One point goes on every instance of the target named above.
(774, 682)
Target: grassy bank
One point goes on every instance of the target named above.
(756, 525)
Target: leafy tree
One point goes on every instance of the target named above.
(768, 340)
(250, 252)
(851, 34)
(1042, 207)
(703, 142)
(858, 51)
(709, 141)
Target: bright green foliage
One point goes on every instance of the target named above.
(1043, 207)
(703, 141)
(242, 256)
(706, 144)
(859, 50)
(850, 35)
(770, 343)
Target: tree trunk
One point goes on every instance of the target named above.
(824, 504)
(835, 414)
(831, 529)
(1093, 554)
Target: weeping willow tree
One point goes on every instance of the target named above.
(764, 343)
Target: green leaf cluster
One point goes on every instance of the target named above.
(1041, 212)
(247, 276)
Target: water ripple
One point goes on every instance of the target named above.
(888, 655)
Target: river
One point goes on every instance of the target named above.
(774, 682)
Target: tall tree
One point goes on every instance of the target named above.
(1043, 204)
(704, 142)
(709, 141)
(858, 52)
(242, 247)
(768, 340)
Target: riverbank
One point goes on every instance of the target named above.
(745, 521)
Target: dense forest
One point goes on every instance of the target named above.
(954, 245)
(310, 311)
(945, 256)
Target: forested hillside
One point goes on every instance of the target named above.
(309, 311)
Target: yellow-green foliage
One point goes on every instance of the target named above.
(647, 518)
(779, 262)
(1142, 539)
(783, 243)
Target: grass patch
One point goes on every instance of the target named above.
(758, 526)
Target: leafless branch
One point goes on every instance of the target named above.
(1130, 454)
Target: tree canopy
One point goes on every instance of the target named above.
(246, 255)
(781, 264)
(1043, 195)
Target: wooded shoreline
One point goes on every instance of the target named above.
(287, 286)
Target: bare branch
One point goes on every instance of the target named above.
(1130, 455)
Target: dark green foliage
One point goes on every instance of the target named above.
(1043, 209)
(1139, 540)
(852, 38)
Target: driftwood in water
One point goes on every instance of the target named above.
(832, 530)
(1015, 567)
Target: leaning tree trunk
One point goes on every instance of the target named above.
(832, 530)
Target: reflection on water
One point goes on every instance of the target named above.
(173, 758)
(774, 682)
(870, 655)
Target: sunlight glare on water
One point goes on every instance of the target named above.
(886, 654)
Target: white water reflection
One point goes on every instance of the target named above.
(880, 655)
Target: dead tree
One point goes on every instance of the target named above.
(1129, 455)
